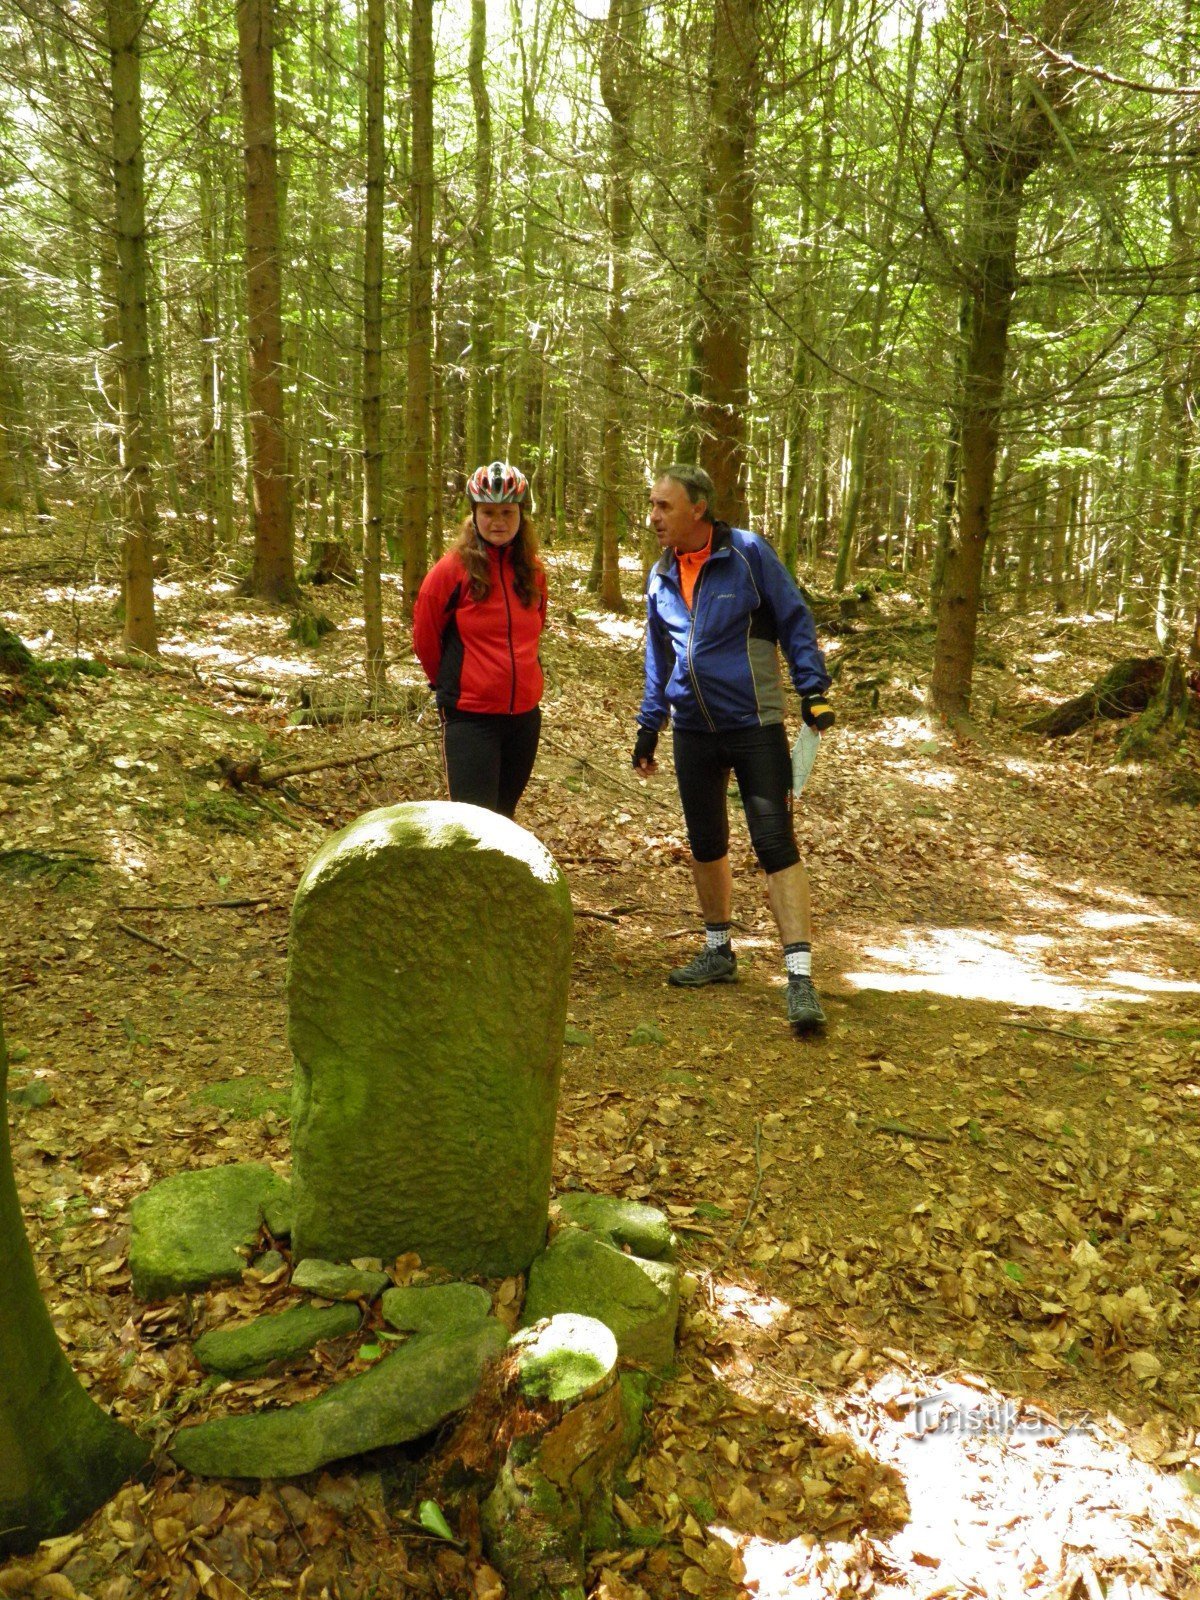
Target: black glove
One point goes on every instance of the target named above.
(817, 712)
(644, 746)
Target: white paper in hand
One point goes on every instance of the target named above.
(804, 753)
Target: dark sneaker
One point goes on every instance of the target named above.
(710, 966)
(803, 1007)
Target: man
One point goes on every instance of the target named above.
(718, 603)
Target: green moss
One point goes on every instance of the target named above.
(225, 812)
(246, 1097)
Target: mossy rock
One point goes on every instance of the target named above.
(642, 1229)
(198, 1228)
(402, 1397)
(436, 1307)
(254, 1347)
(638, 1300)
(333, 1281)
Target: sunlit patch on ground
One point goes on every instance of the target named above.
(927, 780)
(733, 1300)
(990, 1493)
(208, 653)
(973, 964)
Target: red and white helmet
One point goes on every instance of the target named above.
(497, 485)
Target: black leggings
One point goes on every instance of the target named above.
(760, 759)
(488, 758)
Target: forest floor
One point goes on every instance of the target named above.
(943, 1335)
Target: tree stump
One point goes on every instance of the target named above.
(1124, 689)
(330, 561)
(60, 1455)
(1162, 724)
(548, 1432)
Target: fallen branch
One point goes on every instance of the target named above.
(195, 905)
(240, 773)
(158, 944)
(1063, 1033)
(903, 1131)
(622, 787)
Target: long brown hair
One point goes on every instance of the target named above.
(473, 550)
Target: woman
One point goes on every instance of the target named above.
(477, 624)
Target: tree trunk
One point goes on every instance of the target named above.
(479, 414)
(60, 1455)
(124, 20)
(372, 369)
(725, 299)
(274, 572)
(865, 414)
(418, 431)
(618, 69)
(1010, 131)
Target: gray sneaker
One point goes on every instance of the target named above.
(710, 966)
(803, 1007)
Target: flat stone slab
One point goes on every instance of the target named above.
(427, 1060)
(436, 1307)
(637, 1299)
(333, 1281)
(406, 1394)
(642, 1229)
(197, 1228)
(248, 1350)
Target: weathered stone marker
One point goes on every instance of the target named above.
(427, 992)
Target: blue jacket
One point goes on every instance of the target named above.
(716, 667)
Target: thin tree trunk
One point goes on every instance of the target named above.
(865, 411)
(274, 572)
(617, 79)
(124, 20)
(725, 307)
(372, 361)
(420, 307)
(479, 413)
(1013, 131)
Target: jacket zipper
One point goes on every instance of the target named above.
(694, 607)
(512, 654)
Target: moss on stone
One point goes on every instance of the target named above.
(642, 1229)
(638, 1300)
(197, 1228)
(246, 1351)
(435, 1307)
(405, 1395)
(423, 1112)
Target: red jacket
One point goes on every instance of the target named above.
(480, 655)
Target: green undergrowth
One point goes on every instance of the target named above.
(244, 1098)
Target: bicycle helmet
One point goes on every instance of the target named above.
(497, 485)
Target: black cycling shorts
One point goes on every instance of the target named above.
(760, 760)
(488, 756)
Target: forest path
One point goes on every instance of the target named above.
(979, 1183)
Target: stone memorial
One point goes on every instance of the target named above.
(427, 989)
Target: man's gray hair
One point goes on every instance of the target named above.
(696, 483)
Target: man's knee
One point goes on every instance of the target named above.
(776, 848)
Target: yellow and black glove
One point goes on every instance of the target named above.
(817, 712)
